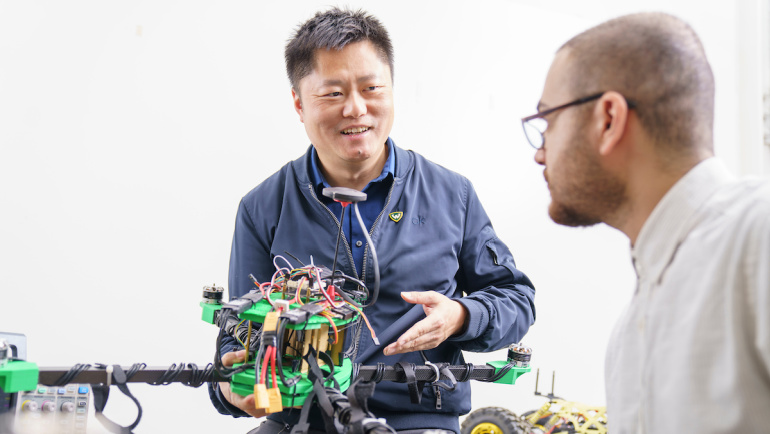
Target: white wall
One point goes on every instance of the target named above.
(129, 131)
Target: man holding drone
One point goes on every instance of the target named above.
(433, 238)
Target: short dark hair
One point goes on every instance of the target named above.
(657, 61)
(333, 29)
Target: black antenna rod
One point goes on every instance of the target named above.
(337, 246)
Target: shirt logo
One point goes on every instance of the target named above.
(396, 216)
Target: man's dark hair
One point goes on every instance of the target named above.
(333, 29)
(657, 61)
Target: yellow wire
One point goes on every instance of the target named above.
(328, 316)
(236, 334)
(371, 330)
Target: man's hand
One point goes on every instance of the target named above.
(245, 403)
(445, 317)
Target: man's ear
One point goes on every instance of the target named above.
(297, 104)
(610, 121)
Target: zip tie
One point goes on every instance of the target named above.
(110, 369)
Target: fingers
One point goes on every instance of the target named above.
(444, 317)
(233, 357)
(245, 403)
(424, 335)
(429, 300)
(423, 297)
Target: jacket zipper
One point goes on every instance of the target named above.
(352, 352)
(371, 232)
(359, 328)
(347, 245)
(357, 334)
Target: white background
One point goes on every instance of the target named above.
(129, 130)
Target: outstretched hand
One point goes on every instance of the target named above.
(245, 403)
(444, 317)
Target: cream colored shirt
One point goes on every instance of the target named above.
(691, 354)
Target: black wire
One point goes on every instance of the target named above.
(344, 293)
(379, 373)
(169, 376)
(222, 370)
(136, 367)
(352, 351)
(296, 258)
(288, 382)
(258, 358)
(337, 246)
(347, 298)
(499, 374)
(345, 326)
(70, 375)
(424, 357)
(466, 375)
(347, 278)
(198, 376)
(288, 346)
(356, 370)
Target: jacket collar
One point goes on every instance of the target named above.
(302, 167)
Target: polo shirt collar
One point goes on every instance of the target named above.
(317, 178)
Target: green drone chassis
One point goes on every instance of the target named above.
(243, 383)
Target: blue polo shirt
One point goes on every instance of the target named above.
(376, 194)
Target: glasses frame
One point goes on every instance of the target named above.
(544, 113)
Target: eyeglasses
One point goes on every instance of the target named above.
(535, 125)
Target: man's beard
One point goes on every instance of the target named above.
(587, 194)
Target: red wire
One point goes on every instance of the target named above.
(272, 365)
(333, 326)
(299, 289)
(262, 288)
(263, 376)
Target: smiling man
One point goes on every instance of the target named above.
(447, 282)
(346, 105)
(624, 131)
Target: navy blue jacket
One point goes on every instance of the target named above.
(444, 242)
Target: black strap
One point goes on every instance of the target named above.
(444, 369)
(361, 420)
(102, 393)
(330, 363)
(415, 387)
(317, 378)
(302, 426)
(358, 394)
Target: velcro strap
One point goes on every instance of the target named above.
(444, 369)
(358, 394)
(415, 387)
(102, 393)
(302, 426)
(316, 377)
